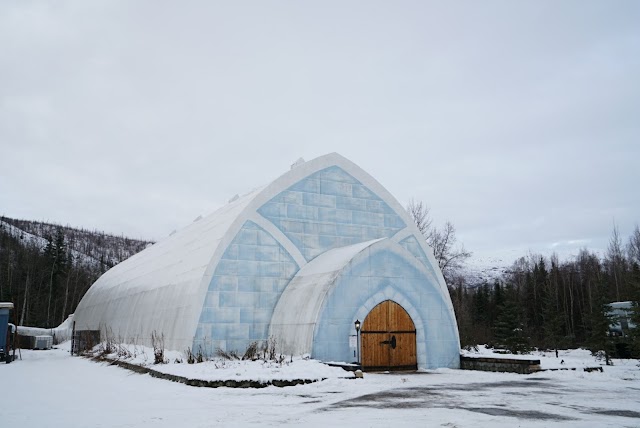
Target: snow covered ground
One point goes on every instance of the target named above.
(567, 359)
(219, 369)
(53, 389)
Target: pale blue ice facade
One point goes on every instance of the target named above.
(245, 288)
(386, 273)
(325, 210)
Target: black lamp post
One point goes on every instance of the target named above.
(357, 324)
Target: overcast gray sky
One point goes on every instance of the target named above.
(517, 121)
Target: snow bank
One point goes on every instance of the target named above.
(567, 359)
(260, 370)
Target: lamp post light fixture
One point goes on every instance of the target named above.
(357, 324)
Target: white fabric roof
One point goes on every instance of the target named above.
(161, 283)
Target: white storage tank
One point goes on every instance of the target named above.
(43, 342)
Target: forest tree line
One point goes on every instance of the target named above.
(550, 303)
(541, 302)
(45, 269)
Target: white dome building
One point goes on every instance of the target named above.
(300, 261)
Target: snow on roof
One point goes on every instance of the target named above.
(621, 305)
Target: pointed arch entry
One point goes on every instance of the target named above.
(388, 339)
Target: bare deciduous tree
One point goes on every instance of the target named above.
(419, 212)
(633, 248)
(450, 257)
(615, 259)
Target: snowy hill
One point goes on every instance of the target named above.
(480, 269)
(89, 248)
(47, 268)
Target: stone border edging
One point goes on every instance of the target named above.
(496, 364)
(586, 369)
(205, 383)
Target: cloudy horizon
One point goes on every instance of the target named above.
(516, 121)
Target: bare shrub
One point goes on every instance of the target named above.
(251, 353)
(191, 359)
(194, 358)
(269, 350)
(123, 351)
(109, 342)
(230, 355)
(157, 341)
(134, 341)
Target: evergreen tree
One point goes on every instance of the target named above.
(508, 327)
(497, 302)
(536, 282)
(57, 258)
(481, 304)
(552, 317)
(634, 330)
(552, 323)
(599, 340)
(498, 295)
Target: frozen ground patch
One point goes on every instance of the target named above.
(53, 389)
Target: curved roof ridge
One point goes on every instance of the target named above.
(335, 259)
(211, 226)
(299, 171)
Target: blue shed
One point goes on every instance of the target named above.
(5, 307)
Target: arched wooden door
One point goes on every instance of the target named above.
(388, 339)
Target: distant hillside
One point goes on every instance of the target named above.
(91, 247)
(45, 268)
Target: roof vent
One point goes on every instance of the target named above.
(299, 162)
(235, 198)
